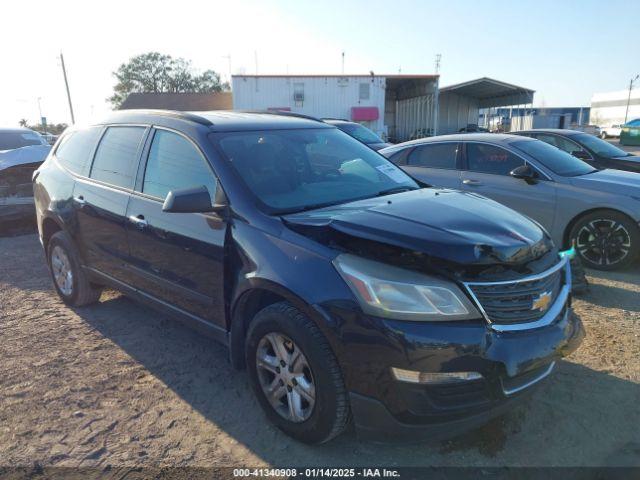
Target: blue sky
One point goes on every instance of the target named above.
(565, 50)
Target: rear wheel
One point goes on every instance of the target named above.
(69, 280)
(606, 240)
(604, 135)
(295, 375)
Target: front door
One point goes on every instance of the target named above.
(487, 173)
(177, 257)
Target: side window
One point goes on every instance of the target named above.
(116, 157)
(400, 158)
(562, 143)
(441, 155)
(76, 148)
(174, 163)
(486, 158)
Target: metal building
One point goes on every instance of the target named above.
(398, 107)
(611, 108)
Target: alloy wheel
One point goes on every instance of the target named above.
(285, 377)
(604, 242)
(62, 272)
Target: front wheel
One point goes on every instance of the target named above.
(295, 375)
(606, 240)
(604, 135)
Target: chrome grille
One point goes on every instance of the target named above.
(516, 302)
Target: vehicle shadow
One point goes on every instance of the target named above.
(571, 415)
(617, 289)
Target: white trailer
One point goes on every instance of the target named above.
(396, 107)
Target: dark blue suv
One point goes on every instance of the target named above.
(349, 291)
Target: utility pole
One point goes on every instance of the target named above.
(437, 65)
(41, 117)
(228, 57)
(255, 53)
(343, 63)
(626, 113)
(66, 84)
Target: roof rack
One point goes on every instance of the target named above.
(339, 119)
(171, 113)
(284, 113)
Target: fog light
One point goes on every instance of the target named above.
(436, 377)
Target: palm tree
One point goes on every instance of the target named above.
(23, 122)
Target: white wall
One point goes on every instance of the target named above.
(608, 108)
(323, 96)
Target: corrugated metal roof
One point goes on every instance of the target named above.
(194, 102)
(491, 93)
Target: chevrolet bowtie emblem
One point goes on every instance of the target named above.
(541, 302)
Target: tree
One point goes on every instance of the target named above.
(23, 122)
(154, 72)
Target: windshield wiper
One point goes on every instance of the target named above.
(391, 191)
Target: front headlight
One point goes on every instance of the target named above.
(391, 292)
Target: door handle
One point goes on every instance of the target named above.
(80, 200)
(469, 181)
(138, 221)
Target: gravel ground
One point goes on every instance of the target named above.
(119, 384)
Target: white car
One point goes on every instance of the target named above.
(610, 131)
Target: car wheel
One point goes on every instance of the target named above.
(603, 135)
(606, 240)
(69, 280)
(295, 375)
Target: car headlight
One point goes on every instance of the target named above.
(391, 292)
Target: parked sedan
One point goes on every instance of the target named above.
(596, 210)
(359, 132)
(21, 152)
(596, 152)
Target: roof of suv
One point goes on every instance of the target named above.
(460, 137)
(223, 120)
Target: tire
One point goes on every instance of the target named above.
(604, 135)
(76, 291)
(606, 240)
(329, 415)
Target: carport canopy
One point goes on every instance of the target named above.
(491, 93)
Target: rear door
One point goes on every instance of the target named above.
(436, 164)
(176, 257)
(100, 201)
(487, 168)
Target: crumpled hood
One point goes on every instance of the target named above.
(464, 228)
(24, 155)
(611, 181)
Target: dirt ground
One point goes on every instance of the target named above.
(118, 384)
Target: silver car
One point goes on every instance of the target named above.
(596, 210)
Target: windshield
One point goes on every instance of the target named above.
(294, 170)
(13, 140)
(600, 147)
(360, 133)
(556, 160)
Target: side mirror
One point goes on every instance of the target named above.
(524, 172)
(189, 200)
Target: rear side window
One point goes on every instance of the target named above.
(399, 158)
(486, 158)
(435, 156)
(75, 150)
(116, 156)
(174, 163)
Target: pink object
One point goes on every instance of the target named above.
(359, 114)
